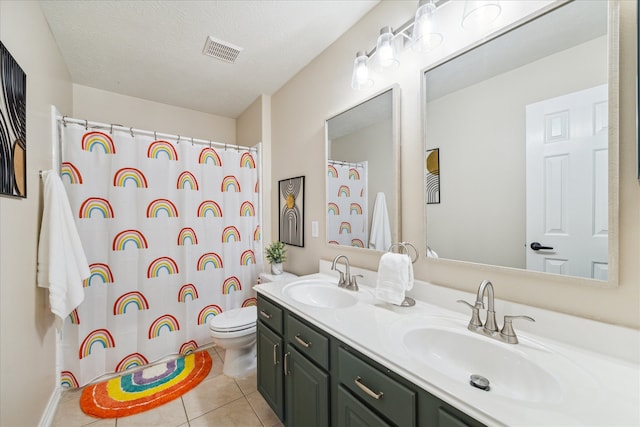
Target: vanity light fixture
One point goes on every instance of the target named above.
(386, 51)
(360, 78)
(479, 13)
(423, 36)
(418, 30)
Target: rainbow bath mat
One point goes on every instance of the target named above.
(145, 389)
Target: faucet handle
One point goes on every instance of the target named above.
(354, 282)
(507, 332)
(341, 282)
(475, 322)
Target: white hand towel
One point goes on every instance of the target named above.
(395, 276)
(62, 264)
(380, 238)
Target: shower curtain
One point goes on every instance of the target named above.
(171, 232)
(347, 205)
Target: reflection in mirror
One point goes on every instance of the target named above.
(362, 175)
(521, 127)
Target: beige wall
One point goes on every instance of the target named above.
(27, 336)
(249, 124)
(322, 90)
(108, 107)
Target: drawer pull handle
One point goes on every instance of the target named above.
(275, 353)
(265, 314)
(367, 390)
(286, 365)
(302, 342)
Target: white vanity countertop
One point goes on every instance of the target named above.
(596, 389)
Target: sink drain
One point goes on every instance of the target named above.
(480, 382)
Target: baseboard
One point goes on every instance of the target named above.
(50, 411)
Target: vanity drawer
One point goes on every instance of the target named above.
(270, 314)
(308, 341)
(382, 393)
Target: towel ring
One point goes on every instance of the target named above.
(404, 245)
(408, 301)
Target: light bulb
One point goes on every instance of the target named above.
(424, 37)
(360, 78)
(385, 51)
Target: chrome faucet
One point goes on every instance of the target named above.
(490, 329)
(346, 280)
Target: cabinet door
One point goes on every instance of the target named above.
(307, 392)
(270, 379)
(352, 413)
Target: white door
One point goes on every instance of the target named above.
(567, 190)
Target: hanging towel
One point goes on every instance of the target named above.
(395, 276)
(62, 264)
(380, 238)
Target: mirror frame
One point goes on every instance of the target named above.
(613, 45)
(395, 127)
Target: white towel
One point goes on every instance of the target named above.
(62, 264)
(395, 276)
(380, 238)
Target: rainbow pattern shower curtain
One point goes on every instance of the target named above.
(347, 206)
(172, 235)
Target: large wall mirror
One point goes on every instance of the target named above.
(362, 184)
(524, 127)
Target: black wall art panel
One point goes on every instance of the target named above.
(13, 126)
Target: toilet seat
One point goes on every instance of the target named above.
(238, 321)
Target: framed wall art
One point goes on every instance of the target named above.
(291, 211)
(433, 176)
(13, 126)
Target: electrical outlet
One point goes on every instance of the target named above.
(314, 228)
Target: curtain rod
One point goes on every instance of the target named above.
(64, 120)
(340, 162)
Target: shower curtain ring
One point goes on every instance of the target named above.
(111, 129)
(131, 131)
(209, 145)
(192, 141)
(178, 140)
(86, 124)
(225, 146)
(64, 121)
(155, 137)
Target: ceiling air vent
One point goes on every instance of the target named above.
(221, 50)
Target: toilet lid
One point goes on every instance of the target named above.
(238, 318)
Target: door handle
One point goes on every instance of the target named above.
(367, 390)
(286, 364)
(275, 354)
(265, 314)
(536, 246)
(302, 342)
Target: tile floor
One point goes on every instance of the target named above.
(218, 401)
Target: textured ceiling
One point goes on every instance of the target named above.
(153, 49)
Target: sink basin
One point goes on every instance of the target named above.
(460, 354)
(319, 293)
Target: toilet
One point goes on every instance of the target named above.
(235, 331)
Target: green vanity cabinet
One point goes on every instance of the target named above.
(353, 413)
(293, 359)
(270, 379)
(434, 412)
(307, 391)
(377, 390)
(312, 379)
